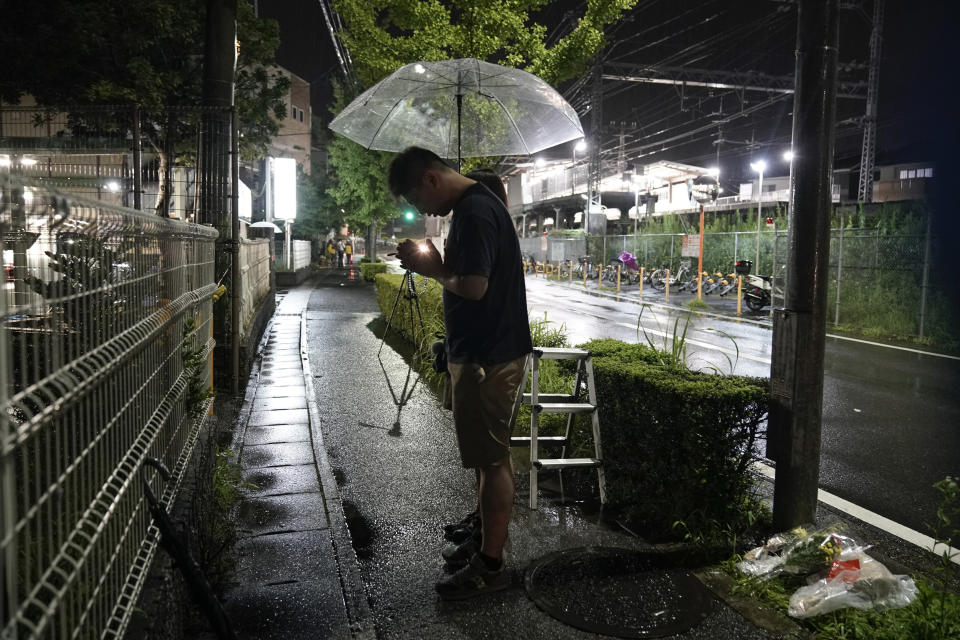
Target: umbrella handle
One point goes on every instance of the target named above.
(459, 110)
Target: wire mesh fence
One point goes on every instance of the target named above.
(104, 362)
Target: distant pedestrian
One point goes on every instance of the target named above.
(348, 250)
(331, 252)
(340, 250)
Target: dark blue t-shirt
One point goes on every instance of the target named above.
(483, 242)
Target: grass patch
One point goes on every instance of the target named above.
(933, 615)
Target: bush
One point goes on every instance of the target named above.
(369, 270)
(677, 443)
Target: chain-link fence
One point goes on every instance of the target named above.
(104, 362)
(880, 283)
(885, 284)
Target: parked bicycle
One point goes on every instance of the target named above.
(586, 267)
(680, 279)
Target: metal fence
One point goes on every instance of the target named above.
(104, 362)
(116, 154)
(880, 282)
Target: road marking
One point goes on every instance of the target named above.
(893, 346)
(875, 519)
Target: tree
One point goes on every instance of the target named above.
(316, 213)
(383, 35)
(149, 52)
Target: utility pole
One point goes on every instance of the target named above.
(796, 375)
(869, 150)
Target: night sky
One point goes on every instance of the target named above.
(912, 82)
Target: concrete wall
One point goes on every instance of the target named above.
(255, 274)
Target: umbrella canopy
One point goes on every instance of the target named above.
(267, 225)
(460, 109)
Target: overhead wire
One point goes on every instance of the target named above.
(705, 49)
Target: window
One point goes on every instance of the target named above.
(293, 112)
(903, 174)
(301, 115)
(928, 173)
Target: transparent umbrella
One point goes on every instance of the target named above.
(460, 108)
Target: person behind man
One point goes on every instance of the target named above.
(348, 250)
(487, 342)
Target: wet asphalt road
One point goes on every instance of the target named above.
(891, 418)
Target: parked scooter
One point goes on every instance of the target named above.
(757, 290)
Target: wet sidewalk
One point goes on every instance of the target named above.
(288, 583)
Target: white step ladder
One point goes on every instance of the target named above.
(558, 403)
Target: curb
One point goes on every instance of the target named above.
(354, 593)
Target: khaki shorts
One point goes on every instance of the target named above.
(483, 398)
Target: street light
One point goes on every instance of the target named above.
(715, 172)
(788, 156)
(759, 167)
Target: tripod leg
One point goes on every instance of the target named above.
(396, 301)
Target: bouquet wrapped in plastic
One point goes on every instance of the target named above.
(838, 571)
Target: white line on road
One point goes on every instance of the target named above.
(705, 345)
(893, 346)
(875, 519)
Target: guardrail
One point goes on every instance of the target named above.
(104, 362)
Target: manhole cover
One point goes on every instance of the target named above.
(618, 592)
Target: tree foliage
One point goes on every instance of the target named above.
(383, 35)
(149, 52)
(315, 211)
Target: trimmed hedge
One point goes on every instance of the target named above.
(369, 270)
(677, 444)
